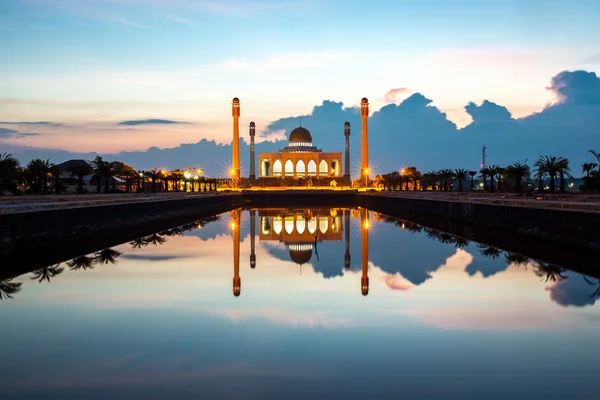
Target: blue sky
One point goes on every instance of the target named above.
(89, 64)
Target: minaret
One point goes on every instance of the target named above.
(235, 147)
(364, 280)
(347, 147)
(252, 171)
(347, 233)
(252, 238)
(235, 231)
(364, 114)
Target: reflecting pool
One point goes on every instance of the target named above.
(279, 303)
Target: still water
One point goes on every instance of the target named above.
(277, 303)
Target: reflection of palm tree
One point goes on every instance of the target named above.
(460, 242)
(445, 238)
(551, 272)
(46, 273)
(489, 251)
(107, 256)
(597, 284)
(81, 262)
(155, 239)
(138, 243)
(516, 259)
(8, 288)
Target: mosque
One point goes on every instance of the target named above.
(300, 231)
(300, 162)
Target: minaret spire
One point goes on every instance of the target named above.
(364, 280)
(235, 146)
(347, 233)
(364, 114)
(347, 150)
(235, 233)
(252, 162)
(252, 238)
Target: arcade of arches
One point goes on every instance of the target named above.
(300, 159)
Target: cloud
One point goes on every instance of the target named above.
(488, 111)
(398, 282)
(6, 133)
(37, 123)
(573, 291)
(180, 20)
(152, 257)
(150, 122)
(576, 87)
(393, 95)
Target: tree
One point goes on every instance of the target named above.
(81, 262)
(540, 173)
(105, 170)
(176, 176)
(495, 171)
(587, 169)
(106, 256)
(56, 172)
(472, 175)
(563, 171)
(80, 170)
(125, 172)
(413, 175)
(9, 288)
(551, 165)
(379, 182)
(516, 173)
(38, 170)
(46, 273)
(154, 175)
(596, 154)
(9, 169)
(485, 172)
(550, 273)
(446, 175)
(461, 176)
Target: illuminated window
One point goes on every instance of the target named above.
(277, 225)
(323, 224)
(277, 168)
(323, 167)
(312, 225)
(300, 168)
(300, 225)
(312, 168)
(289, 168)
(289, 224)
(266, 225)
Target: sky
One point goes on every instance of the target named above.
(91, 69)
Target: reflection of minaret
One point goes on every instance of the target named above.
(252, 171)
(347, 148)
(235, 231)
(347, 233)
(364, 280)
(235, 146)
(364, 114)
(252, 238)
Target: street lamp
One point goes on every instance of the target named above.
(366, 171)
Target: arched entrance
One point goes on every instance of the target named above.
(300, 168)
(277, 168)
(265, 168)
(289, 168)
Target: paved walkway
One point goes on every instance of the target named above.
(574, 202)
(19, 204)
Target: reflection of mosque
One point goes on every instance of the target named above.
(301, 231)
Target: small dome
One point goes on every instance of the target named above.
(252, 123)
(301, 257)
(346, 123)
(364, 100)
(300, 135)
(236, 100)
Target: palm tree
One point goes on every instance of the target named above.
(446, 175)
(9, 288)
(105, 170)
(516, 173)
(472, 175)
(9, 167)
(154, 175)
(155, 239)
(176, 177)
(587, 168)
(596, 154)
(139, 243)
(496, 171)
(81, 262)
(540, 174)
(489, 251)
(46, 273)
(563, 170)
(550, 272)
(39, 170)
(80, 170)
(485, 172)
(461, 176)
(516, 259)
(56, 172)
(107, 256)
(551, 165)
(597, 284)
(460, 242)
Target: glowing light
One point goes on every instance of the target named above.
(403, 226)
(233, 226)
(163, 172)
(366, 171)
(232, 172)
(402, 171)
(196, 177)
(187, 174)
(366, 224)
(199, 171)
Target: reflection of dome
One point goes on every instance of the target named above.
(300, 135)
(301, 253)
(364, 100)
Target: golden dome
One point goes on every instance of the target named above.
(300, 134)
(252, 123)
(300, 256)
(236, 100)
(364, 100)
